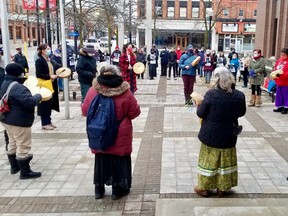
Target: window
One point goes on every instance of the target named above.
(170, 12)
(255, 13)
(183, 12)
(142, 11)
(241, 13)
(158, 8)
(170, 8)
(195, 9)
(226, 12)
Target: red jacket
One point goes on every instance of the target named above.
(282, 64)
(124, 64)
(179, 54)
(125, 105)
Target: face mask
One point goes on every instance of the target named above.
(284, 57)
(245, 55)
(48, 52)
(190, 51)
(178, 48)
(130, 50)
(90, 54)
(255, 54)
(233, 57)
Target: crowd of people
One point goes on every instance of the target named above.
(219, 111)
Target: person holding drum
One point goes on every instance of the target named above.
(45, 75)
(19, 120)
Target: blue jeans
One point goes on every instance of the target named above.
(208, 75)
(84, 89)
(60, 84)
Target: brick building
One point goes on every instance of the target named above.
(181, 22)
(22, 24)
(272, 26)
(235, 25)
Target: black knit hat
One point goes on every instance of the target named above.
(109, 77)
(15, 69)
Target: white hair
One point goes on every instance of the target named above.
(224, 79)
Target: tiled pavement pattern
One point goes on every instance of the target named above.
(164, 158)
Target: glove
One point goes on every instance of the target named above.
(252, 73)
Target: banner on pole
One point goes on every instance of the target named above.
(42, 4)
(29, 4)
(52, 4)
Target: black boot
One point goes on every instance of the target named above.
(26, 172)
(99, 192)
(279, 109)
(118, 192)
(284, 111)
(13, 162)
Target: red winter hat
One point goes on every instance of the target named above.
(116, 47)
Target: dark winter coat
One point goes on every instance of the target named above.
(115, 55)
(141, 58)
(21, 59)
(209, 63)
(164, 54)
(86, 68)
(42, 71)
(21, 103)
(219, 110)
(125, 106)
(172, 57)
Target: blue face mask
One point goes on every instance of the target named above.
(48, 52)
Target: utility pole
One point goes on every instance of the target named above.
(148, 31)
(38, 22)
(75, 37)
(5, 31)
(209, 34)
(57, 23)
(48, 22)
(28, 30)
(130, 21)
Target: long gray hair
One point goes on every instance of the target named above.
(224, 79)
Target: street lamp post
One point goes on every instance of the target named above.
(28, 30)
(38, 22)
(209, 33)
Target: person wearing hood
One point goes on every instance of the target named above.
(19, 120)
(115, 56)
(281, 100)
(113, 166)
(56, 61)
(86, 68)
(256, 70)
(188, 72)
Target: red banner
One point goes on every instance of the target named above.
(29, 4)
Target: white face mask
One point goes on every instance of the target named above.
(255, 54)
(90, 54)
(48, 52)
(245, 54)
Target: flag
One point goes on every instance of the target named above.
(29, 4)
(42, 4)
(52, 5)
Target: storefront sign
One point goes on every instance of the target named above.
(229, 27)
(250, 28)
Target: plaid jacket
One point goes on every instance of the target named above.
(125, 72)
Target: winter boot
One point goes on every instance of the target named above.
(26, 172)
(258, 101)
(99, 192)
(252, 101)
(284, 111)
(13, 162)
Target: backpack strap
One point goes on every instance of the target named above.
(9, 89)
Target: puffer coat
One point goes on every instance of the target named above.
(125, 105)
(259, 67)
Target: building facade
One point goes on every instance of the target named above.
(182, 22)
(235, 25)
(22, 24)
(272, 27)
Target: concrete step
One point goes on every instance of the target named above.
(222, 207)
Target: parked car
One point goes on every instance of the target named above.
(104, 41)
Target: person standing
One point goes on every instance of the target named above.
(219, 111)
(141, 57)
(21, 59)
(188, 72)
(113, 166)
(233, 65)
(126, 63)
(230, 55)
(115, 56)
(44, 71)
(221, 60)
(164, 55)
(256, 70)
(208, 66)
(86, 68)
(179, 54)
(245, 61)
(202, 60)
(172, 61)
(281, 100)
(56, 61)
(152, 59)
(19, 120)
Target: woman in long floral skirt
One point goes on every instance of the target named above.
(219, 111)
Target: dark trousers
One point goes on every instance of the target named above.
(256, 89)
(188, 82)
(44, 109)
(174, 70)
(178, 70)
(164, 69)
(245, 74)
